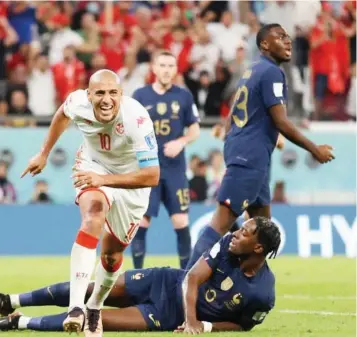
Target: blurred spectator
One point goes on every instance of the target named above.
(7, 190)
(208, 94)
(252, 51)
(16, 81)
(18, 104)
(227, 35)
(180, 45)
(349, 28)
(351, 99)
(40, 194)
(236, 69)
(98, 61)
(8, 37)
(113, 47)
(206, 36)
(62, 37)
(198, 184)
(20, 57)
(40, 76)
(328, 57)
(132, 75)
(215, 173)
(213, 10)
(69, 75)
(22, 17)
(91, 40)
(279, 196)
(204, 54)
(192, 166)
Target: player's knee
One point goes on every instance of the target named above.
(179, 220)
(111, 261)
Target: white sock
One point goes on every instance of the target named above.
(82, 265)
(23, 321)
(15, 301)
(104, 282)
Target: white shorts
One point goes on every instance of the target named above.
(126, 206)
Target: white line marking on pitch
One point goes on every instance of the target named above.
(322, 313)
(308, 297)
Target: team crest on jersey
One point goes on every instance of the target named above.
(175, 107)
(119, 128)
(161, 108)
(227, 284)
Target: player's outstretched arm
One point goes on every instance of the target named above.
(59, 123)
(322, 153)
(197, 275)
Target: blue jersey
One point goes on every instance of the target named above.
(229, 295)
(253, 135)
(170, 112)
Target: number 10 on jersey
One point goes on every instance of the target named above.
(105, 141)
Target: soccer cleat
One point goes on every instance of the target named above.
(10, 322)
(93, 326)
(5, 305)
(74, 321)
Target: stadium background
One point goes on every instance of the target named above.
(49, 48)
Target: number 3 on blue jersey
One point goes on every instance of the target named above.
(242, 96)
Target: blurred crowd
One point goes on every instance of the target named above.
(50, 48)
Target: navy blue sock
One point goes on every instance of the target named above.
(183, 245)
(138, 248)
(56, 294)
(206, 241)
(47, 323)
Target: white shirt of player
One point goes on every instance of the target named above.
(121, 146)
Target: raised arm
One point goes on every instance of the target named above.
(58, 125)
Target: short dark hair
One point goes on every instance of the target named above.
(268, 235)
(264, 31)
(163, 52)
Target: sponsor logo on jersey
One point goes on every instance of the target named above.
(119, 128)
(140, 120)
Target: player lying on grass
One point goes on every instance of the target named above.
(229, 288)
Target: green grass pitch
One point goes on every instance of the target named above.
(315, 297)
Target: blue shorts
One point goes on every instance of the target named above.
(156, 292)
(172, 191)
(242, 187)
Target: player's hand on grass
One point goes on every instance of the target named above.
(36, 165)
(191, 328)
(173, 148)
(323, 154)
(87, 179)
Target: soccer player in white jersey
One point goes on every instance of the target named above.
(115, 167)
